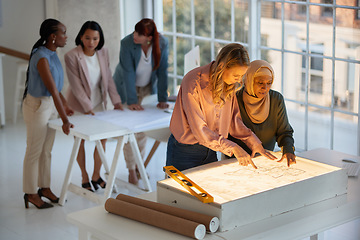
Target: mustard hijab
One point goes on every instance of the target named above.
(257, 109)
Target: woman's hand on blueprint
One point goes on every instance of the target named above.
(118, 106)
(290, 158)
(243, 157)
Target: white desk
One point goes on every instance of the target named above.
(111, 124)
(298, 224)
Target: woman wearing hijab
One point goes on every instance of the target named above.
(263, 111)
(206, 110)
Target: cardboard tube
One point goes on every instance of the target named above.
(211, 223)
(155, 218)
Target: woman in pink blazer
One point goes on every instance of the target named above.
(90, 79)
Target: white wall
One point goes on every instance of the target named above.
(21, 21)
(133, 14)
(74, 13)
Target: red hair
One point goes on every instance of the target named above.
(147, 28)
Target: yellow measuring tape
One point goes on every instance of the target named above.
(192, 187)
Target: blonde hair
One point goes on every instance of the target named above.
(231, 55)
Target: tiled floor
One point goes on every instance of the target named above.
(18, 223)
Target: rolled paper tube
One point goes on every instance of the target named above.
(211, 223)
(155, 218)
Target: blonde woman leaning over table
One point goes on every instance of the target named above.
(43, 101)
(90, 80)
(142, 71)
(206, 109)
(263, 111)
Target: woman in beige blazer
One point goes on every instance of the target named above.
(90, 79)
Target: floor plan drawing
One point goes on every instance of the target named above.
(227, 180)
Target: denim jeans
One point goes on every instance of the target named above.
(185, 156)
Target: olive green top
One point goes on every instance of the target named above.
(276, 128)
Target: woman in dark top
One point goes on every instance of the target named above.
(263, 111)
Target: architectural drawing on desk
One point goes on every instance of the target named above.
(227, 180)
(134, 120)
(273, 171)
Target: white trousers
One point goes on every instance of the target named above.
(39, 142)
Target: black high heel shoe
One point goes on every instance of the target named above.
(43, 206)
(40, 193)
(98, 182)
(87, 186)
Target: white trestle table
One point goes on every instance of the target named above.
(121, 125)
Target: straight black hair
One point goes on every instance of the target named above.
(93, 26)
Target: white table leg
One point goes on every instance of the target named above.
(319, 236)
(102, 155)
(111, 179)
(139, 162)
(83, 234)
(101, 152)
(67, 179)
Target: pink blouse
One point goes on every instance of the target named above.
(196, 119)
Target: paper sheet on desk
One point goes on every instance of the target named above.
(148, 119)
(244, 181)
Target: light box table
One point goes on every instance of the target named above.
(298, 224)
(243, 195)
